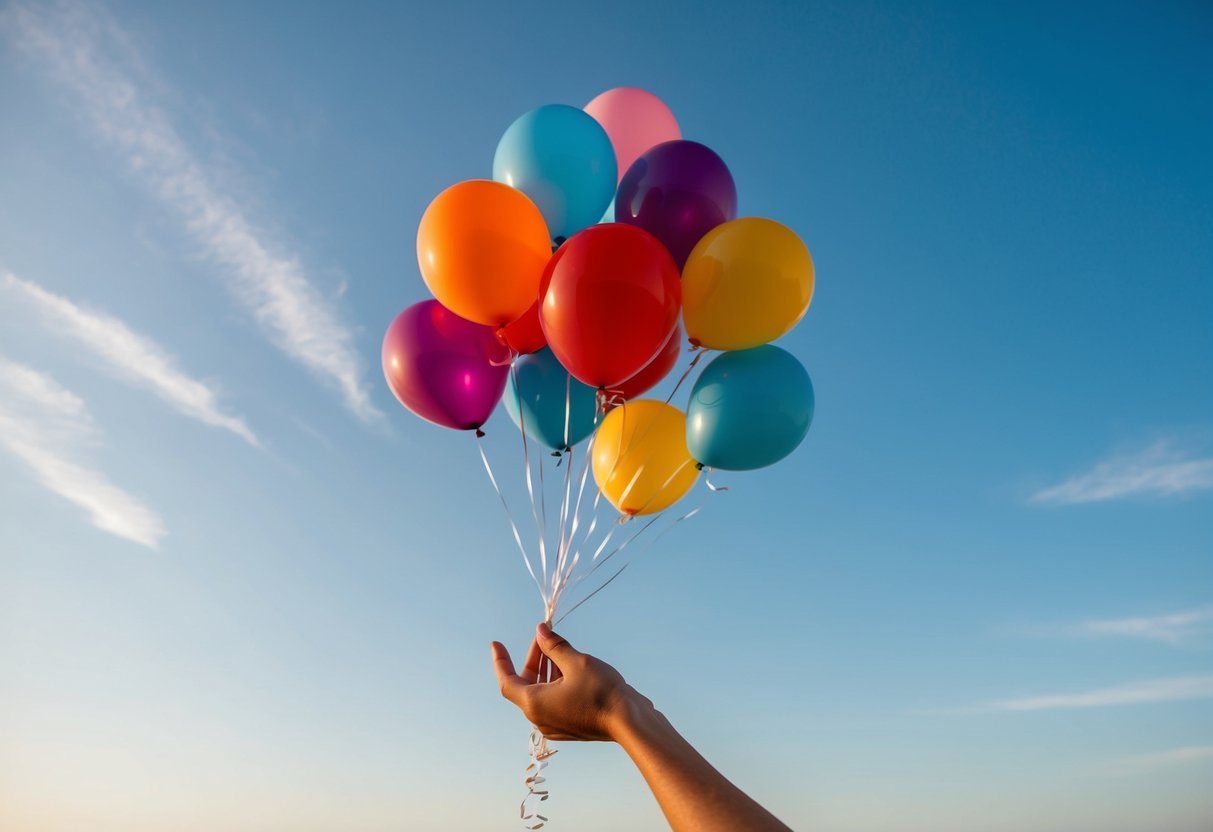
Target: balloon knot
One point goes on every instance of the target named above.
(479, 433)
(699, 466)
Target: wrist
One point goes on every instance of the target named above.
(635, 720)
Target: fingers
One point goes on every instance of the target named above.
(511, 683)
(530, 668)
(554, 646)
(538, 667)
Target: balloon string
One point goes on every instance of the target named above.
(540, 753)
(593, 525)
(656, 494)
(509, 515)
(619, 571)
(597, 497)
(542, 523)
(567, 564)
(606, 540)
(598, 563)
(700, 352)
(605, 584)
(568, 395)
(561, 543)
(563, 578)
(530, 489)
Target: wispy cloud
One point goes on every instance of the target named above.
(1161, 470)
(132, 356)
(87, 52)
(1172, 757)
(43, 425)
(1172, 628)
(1172, 689)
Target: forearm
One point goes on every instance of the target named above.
(694, 796)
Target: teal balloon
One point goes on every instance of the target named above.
(749, 409)
(536, 394)
(563, 160)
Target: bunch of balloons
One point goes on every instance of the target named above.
(565, 283)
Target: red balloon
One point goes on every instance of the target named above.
(608, 301)
(655, 370)
(525, 335)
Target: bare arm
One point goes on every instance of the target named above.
(589, 700)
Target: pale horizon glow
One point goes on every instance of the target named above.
(1170, 758)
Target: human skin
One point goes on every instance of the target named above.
(589, 700)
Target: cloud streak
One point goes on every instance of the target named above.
(43, 424)
(1158, 471)
(1173, 689)
(1172, 628)
(90, 55)
(131, 356)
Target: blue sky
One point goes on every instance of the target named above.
(241, 588)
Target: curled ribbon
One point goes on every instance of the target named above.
(541, 752)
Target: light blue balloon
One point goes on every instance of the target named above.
(749, 409)
(563, 160)
(538, 398)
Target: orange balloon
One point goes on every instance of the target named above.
(482, 247)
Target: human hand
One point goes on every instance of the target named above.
(587, 699)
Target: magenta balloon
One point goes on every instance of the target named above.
(677, 191)
(444, 368)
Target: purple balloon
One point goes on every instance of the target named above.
(444, 368)
(677, 191)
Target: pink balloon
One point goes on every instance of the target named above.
(636, 120)
(444, 368)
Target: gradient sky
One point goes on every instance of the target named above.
(242, 589)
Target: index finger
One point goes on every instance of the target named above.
(511, 683)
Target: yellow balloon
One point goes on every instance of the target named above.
(747, 282)
(641, 461)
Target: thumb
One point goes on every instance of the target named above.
(555, 647)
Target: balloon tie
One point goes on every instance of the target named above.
(509, 362)
(607, 398)
(708, 479)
